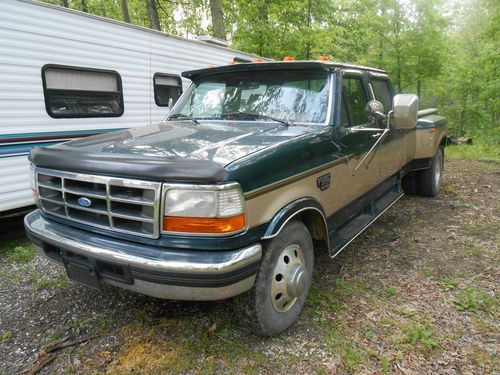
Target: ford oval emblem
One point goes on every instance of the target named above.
(85, 202)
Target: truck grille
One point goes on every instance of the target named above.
(122, 205)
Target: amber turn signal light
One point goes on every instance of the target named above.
(209, 225)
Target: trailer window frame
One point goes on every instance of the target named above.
(155, 89)
(49, 93)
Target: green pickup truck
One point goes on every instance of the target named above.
(257, 167)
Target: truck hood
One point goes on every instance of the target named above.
(170, 150)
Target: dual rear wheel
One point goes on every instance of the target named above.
(426, 182)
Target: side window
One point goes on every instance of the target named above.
(166, 87)
(354, 102)
(73, 92)
(382, 93)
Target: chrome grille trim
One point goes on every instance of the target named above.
(122, 205)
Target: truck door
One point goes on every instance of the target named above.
(391, 153)
(354, 96)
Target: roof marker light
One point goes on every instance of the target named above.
(288, 58)
(323, 58)
(258, 60)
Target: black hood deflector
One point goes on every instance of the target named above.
(129, 165)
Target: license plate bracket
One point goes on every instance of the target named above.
(85, 274)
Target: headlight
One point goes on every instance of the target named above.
(200, 209)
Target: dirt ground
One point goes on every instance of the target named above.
(417, 293)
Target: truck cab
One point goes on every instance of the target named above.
(257, 167)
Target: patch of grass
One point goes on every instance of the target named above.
(6, 336)
(216, 346)
(52, 339)
(17, 253)
(472, 299)
(107, 324)
(77, 325)
(385, 365)
(475, 230)
(368, 335)
(344, 288)
(54, 284)
(419, 334)
(466, 300)
(320, 301)
(448, 283)
(477, 151)
(388, 292)
(350, 356)
(428, 271)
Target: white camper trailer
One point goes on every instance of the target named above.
(65, 74)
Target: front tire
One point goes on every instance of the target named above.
(282, 283)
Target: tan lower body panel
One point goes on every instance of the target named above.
(264, 204)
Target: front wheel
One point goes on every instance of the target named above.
(282, 282)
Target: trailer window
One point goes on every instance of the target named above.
(166, 87)
(72, 92)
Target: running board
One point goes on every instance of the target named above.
(345, 233)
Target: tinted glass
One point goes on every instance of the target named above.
(79, 92)
(293, 95)
(382, 93)
(354, 98)
(167, 87)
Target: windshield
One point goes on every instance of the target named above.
(291, 95)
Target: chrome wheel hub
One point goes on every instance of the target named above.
(289, 278)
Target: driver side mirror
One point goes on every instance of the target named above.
(405, 111)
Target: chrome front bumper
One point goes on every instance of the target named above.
(151, 270)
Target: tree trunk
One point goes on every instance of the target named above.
(154, 21)
(125, 13)
(85, 7)
(66, 3)
(309, 22)
(263, 21)
(217, 14)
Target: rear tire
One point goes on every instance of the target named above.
(430, 179)
(282, 283)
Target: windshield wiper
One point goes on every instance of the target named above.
(258, 115)
(183, 116)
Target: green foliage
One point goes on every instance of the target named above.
(6, 336)
(388, 292)
(17, 253)
(420, 334)
(472, 300)
(54, 284)
(478, 151)
(447, 51)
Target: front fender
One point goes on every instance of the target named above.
(291, 210)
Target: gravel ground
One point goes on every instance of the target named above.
(417, 293)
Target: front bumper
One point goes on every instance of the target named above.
(150, 270)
